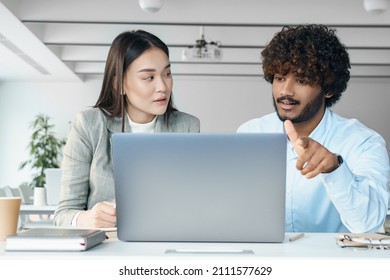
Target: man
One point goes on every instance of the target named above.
(337, 168)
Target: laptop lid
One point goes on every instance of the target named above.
(200, 187)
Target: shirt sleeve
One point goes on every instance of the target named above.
(359, 187)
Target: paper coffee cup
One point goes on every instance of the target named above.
(9, 216)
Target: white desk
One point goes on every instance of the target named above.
(312, 245)
(314, 256)
(27, 209)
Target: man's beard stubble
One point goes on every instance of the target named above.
(308, 112)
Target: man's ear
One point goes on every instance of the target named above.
(328, 95)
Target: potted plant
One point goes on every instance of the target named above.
(44, 149)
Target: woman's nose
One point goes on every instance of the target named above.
(161, 84)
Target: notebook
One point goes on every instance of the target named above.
(202, 187)
(55, 239)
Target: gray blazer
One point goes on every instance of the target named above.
(87, 170)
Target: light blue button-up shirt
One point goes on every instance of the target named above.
(354, 197)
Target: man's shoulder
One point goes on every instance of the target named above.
(350, 124)
(266, 123)
(352, 129)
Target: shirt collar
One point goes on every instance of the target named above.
(320, 131)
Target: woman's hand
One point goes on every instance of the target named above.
(102, 215)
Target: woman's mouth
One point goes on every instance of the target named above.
(162, 100)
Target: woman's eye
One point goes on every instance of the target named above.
(149, 78)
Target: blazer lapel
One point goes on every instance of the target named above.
(115, 125)
(160, 125)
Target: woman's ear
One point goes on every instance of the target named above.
(114, 81)
(114, 85)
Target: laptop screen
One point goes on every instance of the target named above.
(200, 187)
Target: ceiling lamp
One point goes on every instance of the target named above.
(203, 50)
(151, 6)
(375, 6)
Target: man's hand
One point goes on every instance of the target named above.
(313, 158)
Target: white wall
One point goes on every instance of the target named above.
(222, 104)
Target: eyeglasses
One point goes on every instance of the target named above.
(347, 241)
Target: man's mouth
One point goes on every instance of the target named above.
(287, 103)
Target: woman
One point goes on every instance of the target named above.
(136, 96)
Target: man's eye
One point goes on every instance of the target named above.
(278, 78)
(302, 81)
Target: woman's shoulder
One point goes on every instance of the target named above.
(181, 121)
(91, 117)
(179, 115)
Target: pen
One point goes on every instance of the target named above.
(296, 237)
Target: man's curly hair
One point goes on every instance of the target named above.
(312, 52)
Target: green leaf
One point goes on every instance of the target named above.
(44, 148)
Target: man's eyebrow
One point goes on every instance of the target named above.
(152, 69)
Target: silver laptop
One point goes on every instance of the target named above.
(200, 187)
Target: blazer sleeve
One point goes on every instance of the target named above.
(77, 158)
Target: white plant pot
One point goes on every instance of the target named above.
(40, 198)
(53, 184)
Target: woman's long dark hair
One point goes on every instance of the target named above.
(125, 48)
